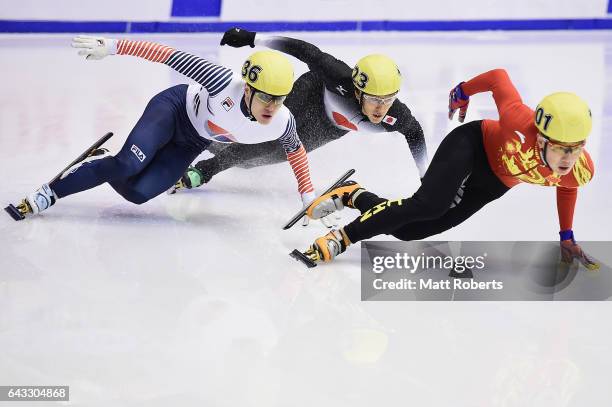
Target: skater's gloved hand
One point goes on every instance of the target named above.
(237, 37)
(457, 100)
(192, 178)
(94, 47)
(571, 250)
(328, 221)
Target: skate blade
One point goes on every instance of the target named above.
(14, 212)
(302, 212)
(299, 256)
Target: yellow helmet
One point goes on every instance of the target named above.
(377, 75)
(563, 117)
(269, 72)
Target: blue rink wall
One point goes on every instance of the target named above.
(169, 16)
(31, 26)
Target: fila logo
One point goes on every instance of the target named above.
(389, 120)
(521, 136)
(138, 153)
(227, 104)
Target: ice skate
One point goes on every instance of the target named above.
(335, 200)
(324, 249)
(33, 204)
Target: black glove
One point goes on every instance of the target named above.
(208, 169)
(237, 37)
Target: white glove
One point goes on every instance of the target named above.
(329, 221)
(94, 47)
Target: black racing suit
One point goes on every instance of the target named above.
(458, 177)
(325, 108)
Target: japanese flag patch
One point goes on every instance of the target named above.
(389, 120)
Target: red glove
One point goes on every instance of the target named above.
(571, 250)
(457, 100)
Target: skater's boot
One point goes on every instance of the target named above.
(39, 200)
(326, 248)
(335, 200)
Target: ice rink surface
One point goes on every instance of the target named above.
(192, 300)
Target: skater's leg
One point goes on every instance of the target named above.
(169, 164)
(152, 131)
(451, 165)
(472, 201)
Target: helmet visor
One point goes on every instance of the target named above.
(266, 98)
(380, 100)
(573, 149)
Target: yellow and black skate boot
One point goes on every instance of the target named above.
(327, 247)
(335, 200)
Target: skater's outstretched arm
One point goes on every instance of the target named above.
(508, 100)
(212, 77)
(566, 203)
(243, 155)
(311, 55)
(317, 60)
(296, 155)
(410, 127)
(498, 82)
